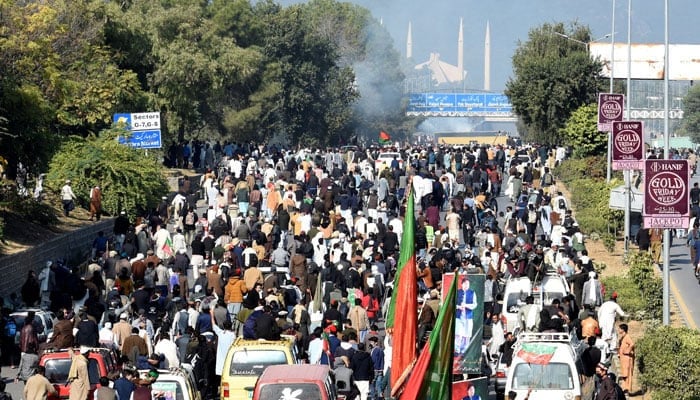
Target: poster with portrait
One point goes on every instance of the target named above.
(469, 321)
(472, 389)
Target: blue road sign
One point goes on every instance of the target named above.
(143, 139)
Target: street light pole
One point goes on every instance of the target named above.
(612, 69)
(667, 232)
(628, 108)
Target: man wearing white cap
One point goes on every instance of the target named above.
(67, 197)
(78, 378)
(121, 330)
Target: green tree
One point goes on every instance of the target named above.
(56, 76)
(364, 44)
(311, 94)
(691, 114)
(130, 179)
(553, 76)
(581, 132)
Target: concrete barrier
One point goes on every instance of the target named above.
(77, 243)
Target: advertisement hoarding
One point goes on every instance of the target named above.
(610, 108)
(666, 194)
(628, 145)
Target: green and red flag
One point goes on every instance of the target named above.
(537, 353)
(404, 300)
(431, 378)
(168, 247)
(384, 138)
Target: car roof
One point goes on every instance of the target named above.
(262, 343)
(286, 373)
(64, 353)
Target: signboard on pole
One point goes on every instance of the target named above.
(628, 145)
(144, 129)
(666, 194)
(610, 108)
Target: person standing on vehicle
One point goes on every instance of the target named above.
(78, 375)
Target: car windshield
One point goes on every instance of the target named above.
(553, 376)
(57, 370)
(166, 389)
(515, 300)
(547, 297)
(291, 391)
(253, 362)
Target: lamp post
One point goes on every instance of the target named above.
(587, 44)
(667, 232)
(612, 69)
(627, 173)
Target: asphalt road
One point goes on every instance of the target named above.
(684, 285)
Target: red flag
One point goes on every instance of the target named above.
(168, 247)
(384, 138)
(404, 300)
(537, 353)
(431, 378)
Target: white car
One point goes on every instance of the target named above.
(384, 160)
(43, 319)
(175, 383)
(545, 364)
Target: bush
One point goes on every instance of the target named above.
(590, 195)
(669, 362)
(26, 208)
(130, 180)
(629, 296)
(641, 272)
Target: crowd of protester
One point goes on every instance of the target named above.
(304, 243)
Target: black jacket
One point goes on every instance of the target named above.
(362, 366)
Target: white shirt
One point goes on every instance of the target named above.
(168, 349)
(67, 193)
(225, 340)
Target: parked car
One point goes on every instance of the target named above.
(43, 323)
(101, 362)
(174, 383)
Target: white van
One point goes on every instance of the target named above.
(547, 364)
(517, 289)
(552, 286)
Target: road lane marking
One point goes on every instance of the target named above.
(690, 321)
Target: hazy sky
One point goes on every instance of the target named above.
(436, 26)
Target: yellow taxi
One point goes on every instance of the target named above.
(247, 359)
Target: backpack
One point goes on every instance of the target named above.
(562, 203)
(10, 327)
(547, 179)
(189, 218)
